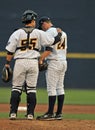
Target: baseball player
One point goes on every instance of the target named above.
(25, 44)
(57, 66)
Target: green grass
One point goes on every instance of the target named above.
(72, 96)
(21, 115)
(80, 116)
(6, 92)
(80, 96)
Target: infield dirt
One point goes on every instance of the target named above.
(23, 124)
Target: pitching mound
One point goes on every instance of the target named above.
(23, 124)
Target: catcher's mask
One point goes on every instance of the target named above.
(42, 20)
(28, 15)
(6, 74)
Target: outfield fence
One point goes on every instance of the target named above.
(80, 72)
(76, 18)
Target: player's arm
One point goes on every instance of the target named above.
(45, 54)
(57, 38)
(48, 40)
(9, 57)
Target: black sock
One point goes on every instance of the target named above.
(14, 101)
(52, 100)
(31, 103)
(60, 104)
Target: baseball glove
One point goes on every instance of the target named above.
(43, 67)
(6, 74)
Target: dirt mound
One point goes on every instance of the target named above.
(22, 124)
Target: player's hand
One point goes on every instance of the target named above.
(59, 30)
(7, 65)
(40, 61)
(43, 66)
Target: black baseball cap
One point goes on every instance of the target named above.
(42, 20)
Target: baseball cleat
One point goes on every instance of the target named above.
(46, 116)
(12, 116)
(58, 116)
(30, 117)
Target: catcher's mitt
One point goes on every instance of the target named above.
(43, 66)
(6, 74)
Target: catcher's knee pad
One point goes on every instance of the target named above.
(31, 89)
(17, 89)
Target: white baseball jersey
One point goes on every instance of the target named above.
(57, 65)
(60, 49)
(37, 39)
(26, 64)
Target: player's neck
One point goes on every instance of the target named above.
(32, 24)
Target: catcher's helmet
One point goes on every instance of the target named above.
(28, 15)
(43, 19)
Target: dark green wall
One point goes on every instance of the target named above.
(75, 17)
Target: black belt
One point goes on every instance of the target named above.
(25, 47)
